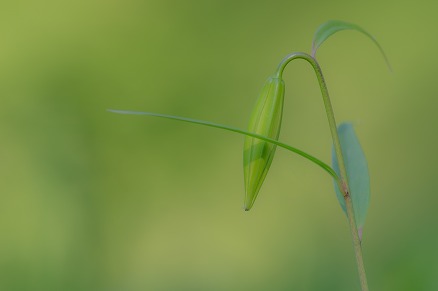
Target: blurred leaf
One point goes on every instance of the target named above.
(330, 27)
(357, 173)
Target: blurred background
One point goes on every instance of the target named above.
(91, 200)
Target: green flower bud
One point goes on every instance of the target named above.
(265, 120)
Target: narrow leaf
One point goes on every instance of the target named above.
(332, 26)
(311, 158)
(357, 173)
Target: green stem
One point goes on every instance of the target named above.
(343, 179)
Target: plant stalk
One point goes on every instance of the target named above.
(343, 179)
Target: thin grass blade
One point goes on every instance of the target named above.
(309, 157)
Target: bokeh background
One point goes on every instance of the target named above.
(92, 200)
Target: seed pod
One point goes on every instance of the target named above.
(265, 120)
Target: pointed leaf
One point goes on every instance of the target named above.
(332, 26)
(357, 173)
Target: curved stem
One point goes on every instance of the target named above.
(343, 179)
(343, 173)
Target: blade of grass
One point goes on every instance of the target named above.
(311, 158)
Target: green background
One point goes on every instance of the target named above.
(92, 200)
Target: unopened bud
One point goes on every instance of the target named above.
(258, 154)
